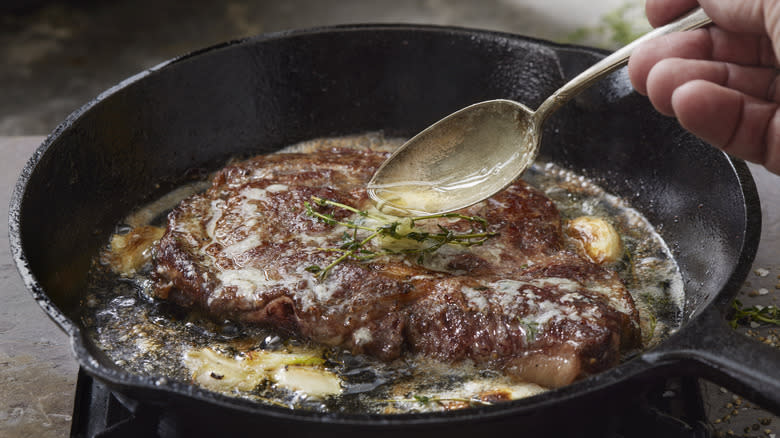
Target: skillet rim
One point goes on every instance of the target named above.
(619, 375)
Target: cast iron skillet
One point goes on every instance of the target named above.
(145, 135)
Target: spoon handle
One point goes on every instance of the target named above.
(692, 20)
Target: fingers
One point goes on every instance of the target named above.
(692, 45)
(734, 15)
(668, 74)
(708, 44)
(739, 15)
(660, 12)
(720, 81)
(741, 125)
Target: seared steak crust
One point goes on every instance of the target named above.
(521, 302)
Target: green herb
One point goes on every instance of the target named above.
(353, 246)
(423, 400)
(531, 329)
(314, 269)
(760, 314)
(427, 401)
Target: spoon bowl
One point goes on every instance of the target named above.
(477, 151)
(459, 158)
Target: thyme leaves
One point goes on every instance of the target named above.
(354, 244)
(429, 400)
(434, 401)
(531, 329)
(759, 314)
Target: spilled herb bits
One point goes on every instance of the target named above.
(390, 228)
(759, 314)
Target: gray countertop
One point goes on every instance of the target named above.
(38, 371)
(37, 368)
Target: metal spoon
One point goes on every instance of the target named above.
(477, 151)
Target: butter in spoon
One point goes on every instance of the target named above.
(477, 151)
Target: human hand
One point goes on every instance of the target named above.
(720, 81)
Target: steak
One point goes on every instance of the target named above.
(523, 302)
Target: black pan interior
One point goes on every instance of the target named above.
(171, 123)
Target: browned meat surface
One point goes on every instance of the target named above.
(521, 302)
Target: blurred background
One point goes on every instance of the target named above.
(59, 54)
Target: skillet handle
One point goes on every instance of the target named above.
(710, 348)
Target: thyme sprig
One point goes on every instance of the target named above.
(354, 246)
(760, 314)
(531, 329)
(428, 401)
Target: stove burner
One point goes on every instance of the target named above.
(671, 409)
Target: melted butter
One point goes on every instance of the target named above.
(417, 198)
(408, 199)
(149, 337)
(459, 161)
(649, 272)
